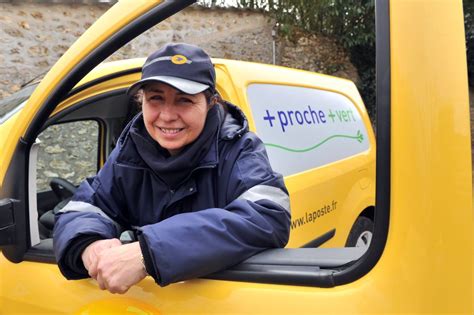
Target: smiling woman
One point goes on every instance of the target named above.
(166, 178)
(172, 118)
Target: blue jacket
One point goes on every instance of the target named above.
(230, 207)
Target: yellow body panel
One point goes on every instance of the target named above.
(431, 219)
(427, 263)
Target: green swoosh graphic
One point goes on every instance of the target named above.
(359, 137)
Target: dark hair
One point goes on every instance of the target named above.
(137, 99)
(211, 98)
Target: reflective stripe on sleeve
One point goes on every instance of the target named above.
(271, 193)
(81, 206)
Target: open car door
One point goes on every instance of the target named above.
(286, 280)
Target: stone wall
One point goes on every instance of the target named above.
(316, 53)
(34, 36)
(67, 151)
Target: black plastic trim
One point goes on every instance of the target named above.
(295, 266)
(323, 258)
(290, 275)
(43, 252)
(7, 207)
(109, 46)
(382, 192)
(7, 221)
(15, 186)
(320, 240)
(80, 104)
(103, 79)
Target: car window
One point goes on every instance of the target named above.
(68, 151)
(13, 103)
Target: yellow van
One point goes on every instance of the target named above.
(317, 134)
(420, 254)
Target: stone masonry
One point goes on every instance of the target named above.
(33, 36)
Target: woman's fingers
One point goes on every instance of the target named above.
(92, 270)
(119, 268)
(101, 282)
(90, 255)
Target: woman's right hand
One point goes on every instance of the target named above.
(91, 254)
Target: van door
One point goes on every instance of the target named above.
(124, 21)
(121, 23)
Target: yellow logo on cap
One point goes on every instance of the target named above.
(179, 59)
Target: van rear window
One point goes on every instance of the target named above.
(304, 128)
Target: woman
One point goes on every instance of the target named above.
(186, 175)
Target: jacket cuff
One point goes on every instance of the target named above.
(72, 265)
(150, 267)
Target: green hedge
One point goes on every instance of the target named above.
(351, 23)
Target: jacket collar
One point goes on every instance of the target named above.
(234, 125)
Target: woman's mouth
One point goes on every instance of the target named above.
(170, 131)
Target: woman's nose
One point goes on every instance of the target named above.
(168, 112)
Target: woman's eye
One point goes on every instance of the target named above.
(185, 100)
(156, 97)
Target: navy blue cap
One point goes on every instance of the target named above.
(185, 67)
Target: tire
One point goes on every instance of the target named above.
(361, 233)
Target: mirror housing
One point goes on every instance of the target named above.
(7, 221)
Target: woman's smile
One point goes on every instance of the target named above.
(172, 118)
(170, 131)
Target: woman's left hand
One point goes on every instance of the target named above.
(118, 268)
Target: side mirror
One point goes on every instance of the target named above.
(7, 221)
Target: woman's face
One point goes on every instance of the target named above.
(173, 118)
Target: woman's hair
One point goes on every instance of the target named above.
(137, 99)
(211, 98)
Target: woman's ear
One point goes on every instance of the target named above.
(212, 101)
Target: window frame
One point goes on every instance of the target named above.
(269, 273)
(100, 131)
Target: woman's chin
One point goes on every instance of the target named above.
(172, 147)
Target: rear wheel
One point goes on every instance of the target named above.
(361, 233)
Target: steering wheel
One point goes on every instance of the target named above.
(62, 188)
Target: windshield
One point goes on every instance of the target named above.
(13, 103)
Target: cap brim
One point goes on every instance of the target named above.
(186, 86)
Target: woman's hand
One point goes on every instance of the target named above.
(120, 267)
(90, 256)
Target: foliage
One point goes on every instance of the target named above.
(350, 22)
(469, 26)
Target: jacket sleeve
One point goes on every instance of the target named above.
(93, 213)
(256, 217)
